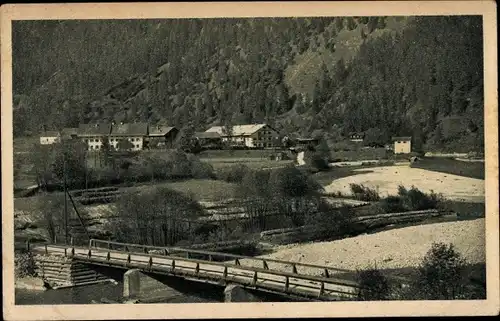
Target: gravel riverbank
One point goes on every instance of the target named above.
(396, 248)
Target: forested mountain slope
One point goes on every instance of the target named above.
(384, 75)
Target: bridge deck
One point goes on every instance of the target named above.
(289, 283)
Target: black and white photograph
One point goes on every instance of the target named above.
(156, 162)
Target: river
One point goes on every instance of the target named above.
(107, 292)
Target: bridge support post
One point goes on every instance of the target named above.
(236, 293)
(131, 283)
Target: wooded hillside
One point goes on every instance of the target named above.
(419, 76)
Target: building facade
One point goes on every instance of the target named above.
(161, 136)
(402, 145)
(50, 137)
(93, 135)
(134, 133)
(211, 140)
(252, 136)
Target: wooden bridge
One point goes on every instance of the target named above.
(282, 277)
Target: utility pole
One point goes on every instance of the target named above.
(65, 196)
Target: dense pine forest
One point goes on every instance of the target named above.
(419, 76)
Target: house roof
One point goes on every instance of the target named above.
(305, 140)
(69, 131)
(238, 130)
(130, 129)
(207, 135)
(50, 133)
(94, 129)
(159, 130)
(401, 138)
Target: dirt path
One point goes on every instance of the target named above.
(387, 179)
(397, 248)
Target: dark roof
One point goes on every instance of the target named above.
(69, 131)
(130, 129)
(159, 130)
(401, 138)
(49, 133)
(94, 129)
(307, 139)
(207, 135)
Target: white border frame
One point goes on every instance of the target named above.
(491, 306)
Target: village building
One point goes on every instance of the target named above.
(161, 136)
(49, 137)
(306, 143)
(135, 133)
(252, 136)
(69, 133)
(356, 137)
(93, 134)
(210, 140)
(402, 145)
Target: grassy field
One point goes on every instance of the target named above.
(201, 189)
(359, 154)
(254, 163)
(451, 166)
(236, 153)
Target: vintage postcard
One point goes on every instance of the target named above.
(253, 159)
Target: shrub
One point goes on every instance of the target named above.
(364, 193)
(24, 264)
(415, 200)
(440, 275)
(373, 285)
(202, 170)
(319, 163)
(392, 204)
(234, 173)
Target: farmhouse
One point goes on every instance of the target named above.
(306, 143)
(93, 134)
(402, 145)
(161, 136)
(254, 135)
(135, 133)
(69, 133)
(50, 137)
(208, 139)
(356, 137)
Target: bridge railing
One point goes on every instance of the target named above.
(292, 267)
(258, 277)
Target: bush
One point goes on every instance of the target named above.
(410, 200)
(234, 173)
(202, 170)
(392, 204)
(24, 264)
(373, 285)
(319, 163)
(415, 200)
(364, 193)
(441, 274)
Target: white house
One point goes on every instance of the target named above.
(93, 134)
(254, 135)
(402, 145)
(135, 133)
(50, 137)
